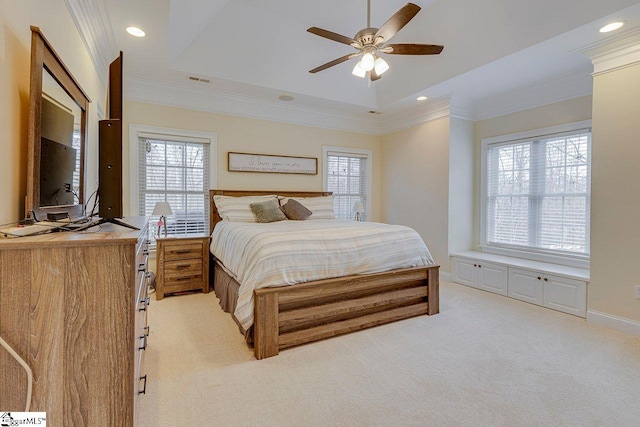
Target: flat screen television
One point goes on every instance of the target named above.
(57, 165)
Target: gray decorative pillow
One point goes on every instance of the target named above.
(295, 210)
(267, 211)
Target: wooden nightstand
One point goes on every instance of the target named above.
(183, 263)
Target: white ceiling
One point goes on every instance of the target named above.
(256, 49)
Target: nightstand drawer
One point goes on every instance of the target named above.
(184, 283)
(183, 251)
(182, 268)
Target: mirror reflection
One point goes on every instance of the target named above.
(60, 146)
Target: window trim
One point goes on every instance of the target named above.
(579, 261)
(346, 150)
(135, 131)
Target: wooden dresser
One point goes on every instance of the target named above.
(74, 306)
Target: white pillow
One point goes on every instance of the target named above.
(238, 209)
(320, 207)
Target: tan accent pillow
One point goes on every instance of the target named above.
(295, 210)
(267, 211)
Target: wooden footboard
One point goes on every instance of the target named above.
(294, 315)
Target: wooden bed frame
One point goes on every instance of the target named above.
(292, 315)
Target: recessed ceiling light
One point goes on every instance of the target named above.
(286, 98)
(135, 31)
(611, 27)
(421, 98)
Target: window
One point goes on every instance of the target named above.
(348, 176)
(537, 192)
(174, 168)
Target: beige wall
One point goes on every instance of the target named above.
(615, 198)
(56, 24)
(254, 136)
(574, 110)
(415, 190)
(14, 112)
(461, 175)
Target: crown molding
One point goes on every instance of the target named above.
(558, 89)
(615, 52)
(94, 25)
(410, 117)
(214, 101)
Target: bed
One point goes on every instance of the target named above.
(287, 316)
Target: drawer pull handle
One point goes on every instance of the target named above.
(142, 266)
(145, 302)
(183, 266)
(479, 266)
(144, 388)
(539, 278)
(145, 251)
(143, 342)
(546, 280)
(182, 251)
(475, 265)
(146, 330)
(184, 278)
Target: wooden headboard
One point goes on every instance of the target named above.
(214, 217)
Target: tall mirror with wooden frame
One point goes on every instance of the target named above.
(58, 110)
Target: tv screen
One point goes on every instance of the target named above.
(57, 164)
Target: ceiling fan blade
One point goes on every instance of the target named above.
(396, 22)
(374, 76)
(335, 37)
(412, 49)
(334, 62)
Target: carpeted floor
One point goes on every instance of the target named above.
(485, 360)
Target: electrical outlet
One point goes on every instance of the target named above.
(638, 291)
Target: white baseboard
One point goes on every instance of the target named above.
(445, 276)
(614, 322)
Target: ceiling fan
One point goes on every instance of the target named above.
(369, 42)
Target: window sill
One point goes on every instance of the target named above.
(540, 257)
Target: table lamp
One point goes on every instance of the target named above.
(163, 209)
(358, 208)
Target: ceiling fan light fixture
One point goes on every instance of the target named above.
(358, 71)
(380, 66)
(367, 62)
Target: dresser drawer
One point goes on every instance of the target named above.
(182, 251)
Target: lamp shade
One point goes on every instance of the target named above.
(367, 62)
(162, 208)
(381, 66)
(358, 71)
(358, 207)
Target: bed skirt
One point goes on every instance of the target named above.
(226, 289)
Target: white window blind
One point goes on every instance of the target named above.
(538, 194)
(75, 143)
(347, 179)
(175, 170)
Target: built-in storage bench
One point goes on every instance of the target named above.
(553, 286)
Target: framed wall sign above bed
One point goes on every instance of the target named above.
(245, 162)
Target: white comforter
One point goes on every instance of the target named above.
(289, 252)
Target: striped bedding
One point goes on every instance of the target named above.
(289, 252)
